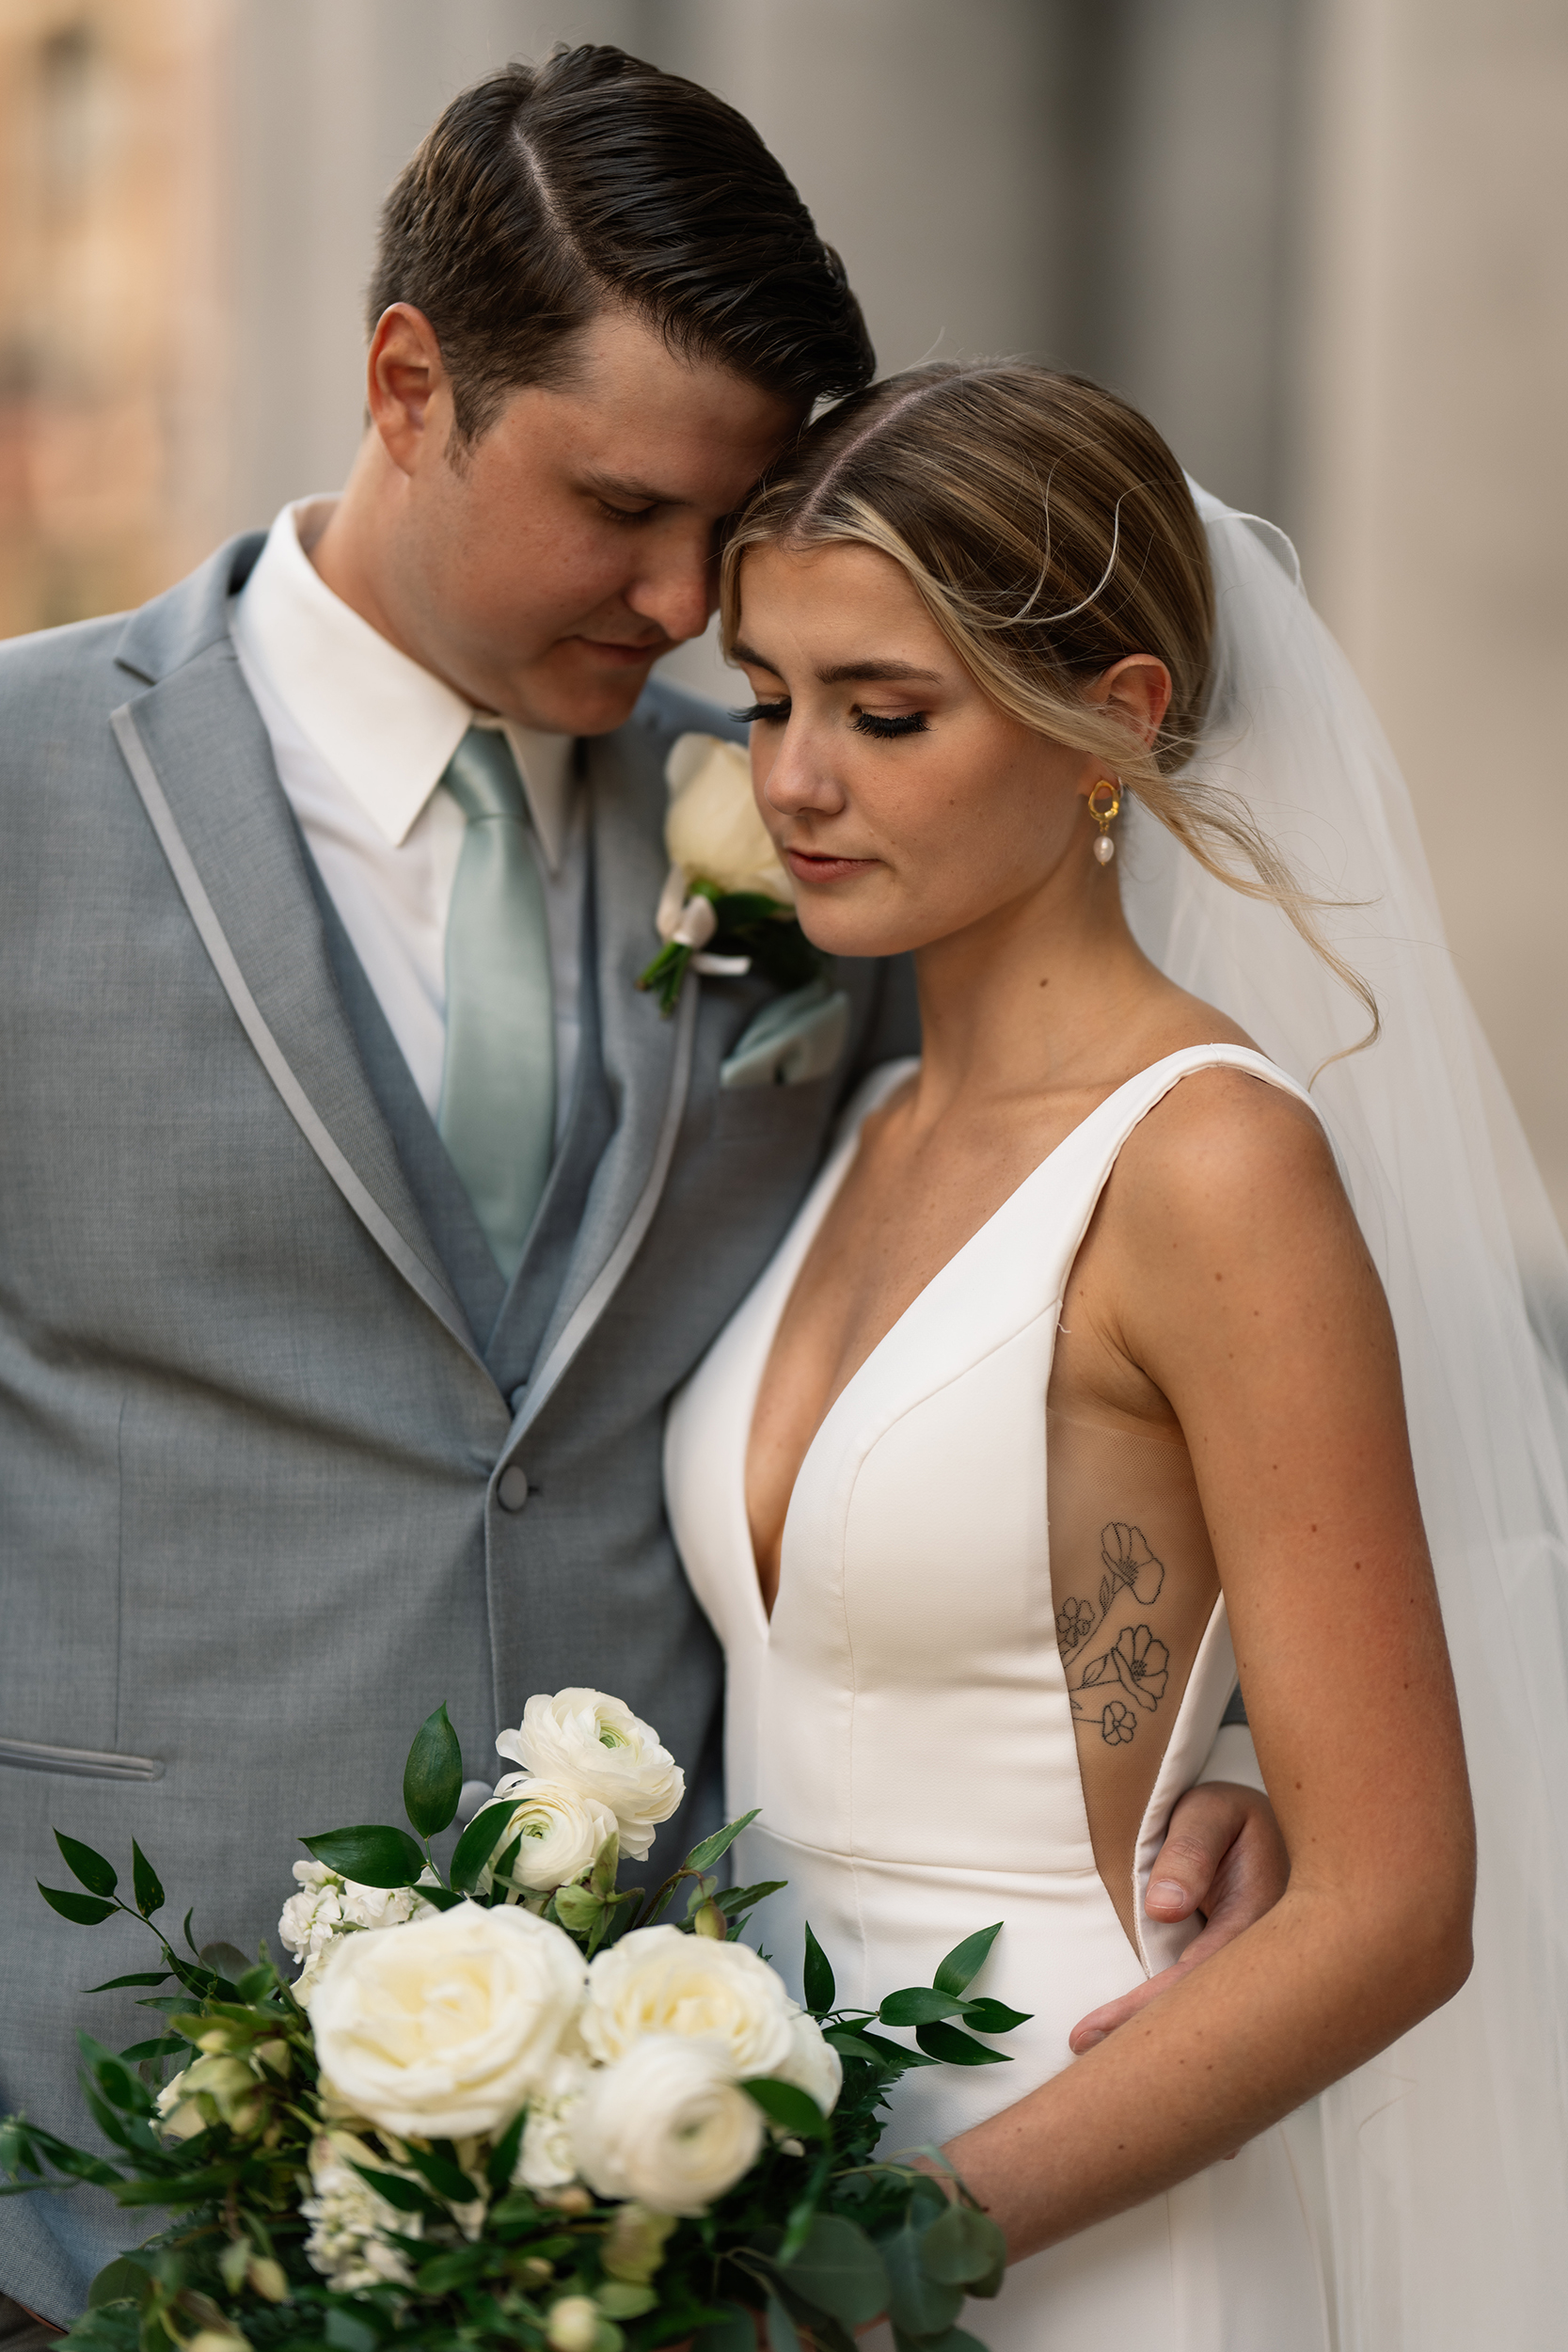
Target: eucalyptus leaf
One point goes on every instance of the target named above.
(119, 2281)
(840, 2270)
(961, 2246)
(433, 1776)
(705, 1855)
(950, 2047)
(965, 1961)
(820, 1986)
(782, 2335)
(373, 1855)
(147, 1883)
(918, 2304)
(346, 2332)
(225, 1962)
(85, 1910)
(85, 1863)
(733, 2332)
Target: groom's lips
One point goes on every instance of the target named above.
(625, 656)
(808, 867)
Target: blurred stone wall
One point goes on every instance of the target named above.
(1319, 240)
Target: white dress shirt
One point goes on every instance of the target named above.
(361, 736)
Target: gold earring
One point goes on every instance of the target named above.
(1105, 804)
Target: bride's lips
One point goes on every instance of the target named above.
(808, 867)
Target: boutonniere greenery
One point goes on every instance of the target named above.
(727, 906)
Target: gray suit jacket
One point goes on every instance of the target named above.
(252, 1423)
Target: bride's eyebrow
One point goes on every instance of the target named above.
(751, 660)
(875, 674)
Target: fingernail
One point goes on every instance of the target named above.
(1165, 1891)
(1089, 2041)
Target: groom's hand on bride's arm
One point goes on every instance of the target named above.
(1223, 1856)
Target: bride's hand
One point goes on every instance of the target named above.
(1223, 1856)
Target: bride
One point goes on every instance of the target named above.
(1074, 1392)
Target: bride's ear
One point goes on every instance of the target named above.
(1137, 690)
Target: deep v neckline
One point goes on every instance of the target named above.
(793, 1263)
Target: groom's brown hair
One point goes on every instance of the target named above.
(547, 193)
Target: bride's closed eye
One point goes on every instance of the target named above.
(762, 714)
(906, 722)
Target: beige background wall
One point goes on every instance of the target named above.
(1322, 241)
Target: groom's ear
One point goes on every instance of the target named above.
(408, 389)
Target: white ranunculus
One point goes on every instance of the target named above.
(813, 2065)
(595, 1744)
(667, 2125)
(350, 2225)
(448, 2026)
(562, 1831)
(656, 1980)
(545, 2158)
(327, 1907)
(713, 832)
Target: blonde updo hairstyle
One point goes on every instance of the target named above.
(1049, 532)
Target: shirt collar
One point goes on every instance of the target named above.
(386, 726)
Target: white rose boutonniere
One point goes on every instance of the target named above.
(728, 902)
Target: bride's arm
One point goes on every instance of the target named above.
(1237, 1281)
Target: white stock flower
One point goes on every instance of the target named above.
(545, 2159)
(562, 1829)
(327, 1907)
(597, 1745)
(656, 1980)
(667, 2125)
(349, 2223)
(813, 2065)
(448, 2026)
(713, 832)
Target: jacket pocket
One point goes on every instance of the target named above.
(32, 1756)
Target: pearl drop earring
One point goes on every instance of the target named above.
(1105, 804)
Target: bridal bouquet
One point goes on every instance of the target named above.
(513, 2105)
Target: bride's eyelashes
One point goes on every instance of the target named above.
(762, 714)
(906, 722)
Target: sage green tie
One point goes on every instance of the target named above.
(497, 1086)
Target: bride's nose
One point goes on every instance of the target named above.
(801, 777)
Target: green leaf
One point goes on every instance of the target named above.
(961, 2247)
(988, 2016)
(821, 1989)
(783, 2103)
(951, 2340)
(479, 1842)
(86, 1911)
(952, 2048)
(433, 1776)
(606, 1864)
(440, 2168)
(408, 2196)
(965, 1961)
(374, 1855)
(446, 2271)
(840, 2270)
(781, 2336)
(114, 1984)
(735, 2331)
(734, 1901)
(97, 1876)
(885, 2052)
(919, 2005)
(619, 2299)
(119, 2281)
(347, 2333)
(502, 2161)
(705, 1855)
(144, 1879)
(441, 1898)
(579, 1909)
(225, 1962)
(918, 2304)
(165, 2045)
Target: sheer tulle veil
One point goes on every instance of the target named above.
(1444, 2162)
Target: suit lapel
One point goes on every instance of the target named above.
(647, 1059)
(201, 760)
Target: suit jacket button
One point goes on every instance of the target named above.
(512, 1488)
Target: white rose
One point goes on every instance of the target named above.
(351, 2226)
(597, 1746)
(668, 2125)
(545, 2158)
(713, 832)
(327, 1907)
(448, 2026)
(656, 1980)
(813, 2065)
(562, 1831)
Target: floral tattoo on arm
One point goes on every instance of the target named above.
(1136, 1667)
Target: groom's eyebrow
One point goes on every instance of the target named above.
(613, 485)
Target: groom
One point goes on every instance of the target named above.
(359, 1216)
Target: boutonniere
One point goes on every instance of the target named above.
(727, 904)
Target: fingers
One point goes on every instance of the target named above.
(1204, 1825)
(1092, 2029)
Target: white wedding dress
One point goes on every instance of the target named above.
(905, 1724)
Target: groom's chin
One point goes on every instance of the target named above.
(582, 692)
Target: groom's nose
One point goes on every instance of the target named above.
(676, 588)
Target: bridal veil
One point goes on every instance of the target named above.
(1445, 2161)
